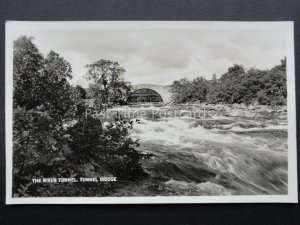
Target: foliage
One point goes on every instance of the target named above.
(57, 94)
(274, 90)
(267, 87)
(108, 85)
(230, 91)
(42, 82)
(46, 143)
(27, 66)
(82, 92)
(199, 89)
(251, 84)
(110, 149)
(38, 148)
(185, 90)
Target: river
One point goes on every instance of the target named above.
(231, 152)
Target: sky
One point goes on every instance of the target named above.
(160, 56)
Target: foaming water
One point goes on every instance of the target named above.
(235, 157)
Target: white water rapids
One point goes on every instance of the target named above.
(216, 156)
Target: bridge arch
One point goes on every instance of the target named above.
(163, 91)
(144, 95)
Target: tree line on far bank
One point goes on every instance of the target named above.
(237, 85)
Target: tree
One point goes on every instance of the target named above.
(274, 91)
(199, 89)
(57, 94)
(27, 66)
(82, 92)
(268, 87)
(43, 99)
(185, 90)
(41, 82)
(251, 85)
(181, 91)
(45, 144)
(230, 89)
(108, 85)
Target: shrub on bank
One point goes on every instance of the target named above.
(108, 149)
(42, 150)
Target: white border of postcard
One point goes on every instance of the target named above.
(287, 27)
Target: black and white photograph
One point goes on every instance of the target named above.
(150, 112)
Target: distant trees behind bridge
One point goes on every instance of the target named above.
(237, 85)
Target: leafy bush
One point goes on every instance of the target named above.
(109, 149)
(38, 149)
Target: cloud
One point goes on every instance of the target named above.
(162, 56)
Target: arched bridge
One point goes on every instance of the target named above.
(163, 91)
